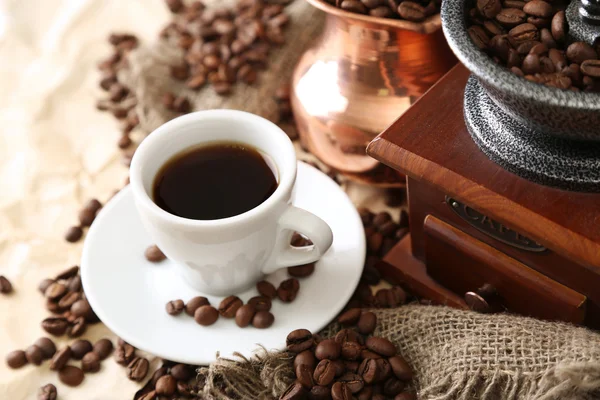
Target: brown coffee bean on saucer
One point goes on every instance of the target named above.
(5, 285)
(47, 392)
(266, 289)
(288, 290)
(206, 315)
(301, 271)
(166, 385)
(245, 314)
(328, 349)
(47, 346)
(60, 359)
(175, 307)
(194, 304)
(260, 303)
(90, 362)
(103, 348)
(34, 355)
(229, 306)
(299, 340)
(137, 369)
(71, 376)
(263, 319)
(154, 254)
(294, 392)
(16, 359)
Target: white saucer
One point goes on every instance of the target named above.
(129, 294)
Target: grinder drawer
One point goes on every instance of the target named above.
(493, 281)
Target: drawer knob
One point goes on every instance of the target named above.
(483, 300)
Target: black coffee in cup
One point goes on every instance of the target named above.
(214, 181)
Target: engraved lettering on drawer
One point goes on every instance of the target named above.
(492, 228)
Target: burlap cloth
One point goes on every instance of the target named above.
(56, 151)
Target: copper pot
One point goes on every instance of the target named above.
(359, 77)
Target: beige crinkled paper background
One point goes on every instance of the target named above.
(57, 151)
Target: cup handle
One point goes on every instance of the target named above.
(309, 225)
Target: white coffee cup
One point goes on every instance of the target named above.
(226, 256)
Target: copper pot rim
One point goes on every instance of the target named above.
(430, 25)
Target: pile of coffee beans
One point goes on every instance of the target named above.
(256, 311)
(530, 38)
(79, 350)
(169, 381)
(86, 217)
(352, 365)
(65, 298)
(415, 10)
(5, 285)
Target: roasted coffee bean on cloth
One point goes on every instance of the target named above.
(530, 39)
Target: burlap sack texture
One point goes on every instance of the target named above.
(456, 355)
(149, 79)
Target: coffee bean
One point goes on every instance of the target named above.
(157, 374)
(354, 381)
(90, 362)
(364, 354)
(558, 58)
(401, 368)
(55, 326)
(591, 68)
(103, 348)
(349, 317)
(80, 348)
(266, 289)
(493, 28)
(260, 303)
(55, 291)
(60, 359)
(523, 33)
(68, 300)
(370, 274)
(547, 39)
(319, 393)
(392, 387)
(559, 26)
(578, 52)
(385, 370)
(546, 65)
(34, 355)
(341, 391)
(229, 306)
(70, 375)
(366, 323)
(206, 315)
(5, 285)
(412, 11)
(263, 319)
(47, 347)
(16, 359)
(513, 58)
(74, 284)
(347, 335)
(137, 369)
(47, 392)
(44, 284)
(175, 307)
(381, 218)
(329, 349)
(354, 6)
(538, 8)
(77, 328)
(369, 370)
(294, 392)
(82, 308)
(244, 315)
(305, 358)
(351, 351)
(378, 396)
(181, 372)
(324, 372)
(511, 17)
(381, 346)
(124, 354)
(299, 340)
(153, 253)
(538, 22)
(374, 242)
(514, 4)
(194, 303)
(405, 396)
(304, 375)
(302, 271)
(151, 395)
(175, 5)
(288, 290)
(166, 385)
(489, 8)
(340, 367)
